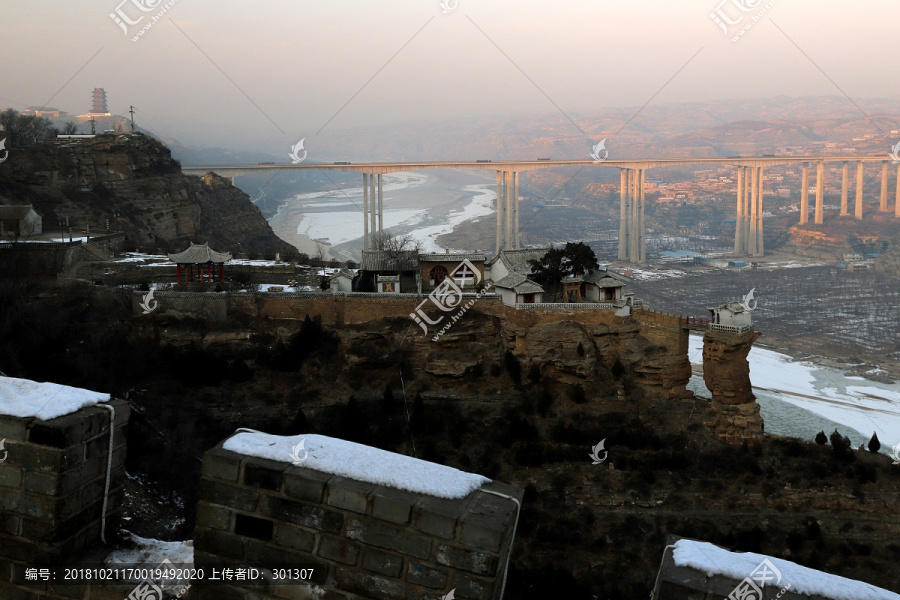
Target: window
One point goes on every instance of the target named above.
(464, 275)
(437, 275)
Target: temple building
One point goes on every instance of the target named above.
(200, 263)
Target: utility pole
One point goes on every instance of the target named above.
(93, 131)
(132, 118)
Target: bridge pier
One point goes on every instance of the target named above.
(820, 193)
(366, 211)
(897, 195)
(858, 209)
(804, 195)
(380, 207)
(844, 170)
(499, 208)
(624, 215)
(883, 205)
(515, 201)
(632, 245)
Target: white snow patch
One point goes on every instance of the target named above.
(150, 554)
(712, 560)
(24, 398)
(361, 463)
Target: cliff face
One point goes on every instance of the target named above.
(132, 181)
(727, 375)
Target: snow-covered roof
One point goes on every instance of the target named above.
(359, 462)
(712, 560)
(198, 254)
(24, 398)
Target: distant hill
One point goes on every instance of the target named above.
(132, 180)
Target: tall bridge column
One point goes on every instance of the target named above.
(858, 209)
(820, 192)
(883, 206)
(844, 190)
(897, 195)
(365, 211)
(380, 207)
(804, 195)
(637, 249)
(746, 232)
(642, 247)
(515, 199)
(754, 211)
(372, 178)
(760, 244)
(507, 188)
(740, 246)
(499, 211)
(624, 214)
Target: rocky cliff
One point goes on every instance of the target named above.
(132, 181)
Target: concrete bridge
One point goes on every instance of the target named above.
(749, 221)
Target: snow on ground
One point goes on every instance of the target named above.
(824, 391)
(74, 239)
(152, 554)
(264, 287)
(481, 205)
(25, 398)
(358, 462)
(712, 560)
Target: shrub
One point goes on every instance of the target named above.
(874, 444)
(821, 439)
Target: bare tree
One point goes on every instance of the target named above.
(318, 259)
(395, 245)
(70, 128)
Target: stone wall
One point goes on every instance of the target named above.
(52, 485)
(361, 540)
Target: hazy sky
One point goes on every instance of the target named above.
(273, 71)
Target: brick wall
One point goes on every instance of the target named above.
(51, 492)
(362, 540)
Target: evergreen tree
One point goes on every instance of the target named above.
(821, 439)
(874, 444)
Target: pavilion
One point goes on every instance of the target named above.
(202, 259)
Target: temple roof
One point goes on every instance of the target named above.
(519, 284)
(452, 257)
(199, 254)
(516, 261)
(382, 260)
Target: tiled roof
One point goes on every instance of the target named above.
(15, 212)
(451, 257)
(343, 273)
(198, 254)
(603, 278)
(517, 260)
(519, 284)
(380, 260)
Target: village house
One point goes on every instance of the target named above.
(731, 316)
(19, 221)
(379, 265)
(467, 269)
(342, 281)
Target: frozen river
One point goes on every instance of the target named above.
(799, 399)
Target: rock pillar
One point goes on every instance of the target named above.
(727, 375)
